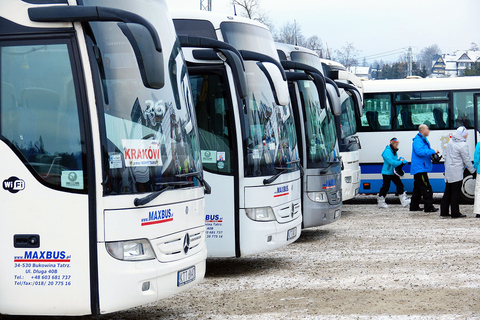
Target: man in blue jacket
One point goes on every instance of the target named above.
(421, 165)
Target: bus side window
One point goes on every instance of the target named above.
(212, 109)
(410, 116)
(39, 112)
(377, 113)
(463, 109)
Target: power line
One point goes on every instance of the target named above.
(384, 54)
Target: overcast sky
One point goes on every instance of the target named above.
(373, 26)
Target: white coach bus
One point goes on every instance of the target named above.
(316, 131)
(247, 134)
(395, 108)
(351, 99)
(102, 203)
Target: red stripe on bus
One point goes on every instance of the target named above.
(156, 222)
(37, 260)
(281, 195)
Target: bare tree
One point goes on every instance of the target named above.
(314, 43)
(291, 33)
(474, 47)
(347, 55)
(426, 56)
(252, 9)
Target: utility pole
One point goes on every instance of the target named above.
(295, 41)
(410, 62)
(206, 5)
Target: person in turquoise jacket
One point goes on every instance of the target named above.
(391, 172)
(476, 164)
(421, 165)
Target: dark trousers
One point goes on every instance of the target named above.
(421, 188)
(387, 179)
(451, 197)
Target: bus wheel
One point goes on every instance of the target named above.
(468, 189)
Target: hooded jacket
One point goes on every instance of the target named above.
(421, 155)
(477, 157)
(391, 160)
(457, 158)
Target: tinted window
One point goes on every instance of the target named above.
(347, 118)
(377, 113)
(416, 96)
(201, 28)
(213, 109)
(39, 111)
(410, 116)
(463, 109)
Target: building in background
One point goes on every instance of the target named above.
(457, 62)
(364, 73)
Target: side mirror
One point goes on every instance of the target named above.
(277, 82)
(238, 71)
(149, 59)
(334, 99)
(359, 103)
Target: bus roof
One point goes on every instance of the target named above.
(215, 18)
(289, 48)
(412, 85)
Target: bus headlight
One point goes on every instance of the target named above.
(133, 250)
(261, 214)
(318, 196)
(348, 179)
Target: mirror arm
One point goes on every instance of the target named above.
(91, 14)
(255, 56)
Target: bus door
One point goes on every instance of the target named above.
(44, 203)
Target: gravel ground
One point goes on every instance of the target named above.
(389, 264)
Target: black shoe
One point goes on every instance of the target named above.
(432, 209)
(477, 216)
(399, 171)
(416, 209)
(445, 216)
(460, 216)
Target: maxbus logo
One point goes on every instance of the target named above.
(213, 218)
(158, 216)
(43, 256)
(281, 191)
(330, 184)
(13, 184)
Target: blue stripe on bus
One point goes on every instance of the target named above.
(438, 185)
(377, 168)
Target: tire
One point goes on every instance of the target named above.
(468, 189)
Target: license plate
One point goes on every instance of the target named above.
(292, 233)
(186, 276)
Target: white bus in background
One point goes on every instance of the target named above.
(102, 207)
(351, 99)
(317, 136)
(395, 108)
(247, 134)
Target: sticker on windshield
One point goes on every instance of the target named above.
(142, 153)
(221, 156)
(72, 179)
(256, 154)
(115, 161)
(209, 156)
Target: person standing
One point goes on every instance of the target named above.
(391, 172)
(421, 165)
(457, 158)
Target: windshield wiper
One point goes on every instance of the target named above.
(198, 175)
(284, 170)
(275, 177)
(330, 164)
(166, 186)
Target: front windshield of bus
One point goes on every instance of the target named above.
(348, 120)
(321, 141)
(150, 135)
(268, 129)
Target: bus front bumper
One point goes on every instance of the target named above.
(257, 237)
(127, 284)
(317, 214)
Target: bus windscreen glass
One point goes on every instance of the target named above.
(268, 129)
(150, 135)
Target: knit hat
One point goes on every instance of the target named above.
(462, 131)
